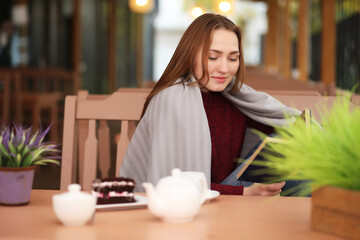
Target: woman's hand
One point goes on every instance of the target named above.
(258, 189)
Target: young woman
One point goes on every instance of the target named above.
(198, 114)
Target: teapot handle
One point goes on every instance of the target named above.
(204, 189)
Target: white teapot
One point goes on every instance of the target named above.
(176, 198)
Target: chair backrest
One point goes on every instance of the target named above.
(49, 80)
(90, 111)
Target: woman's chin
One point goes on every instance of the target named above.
(218, 88)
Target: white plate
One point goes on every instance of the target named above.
(211, 194)
(141, 202)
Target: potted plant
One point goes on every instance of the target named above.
(328, 157)
(21, 150)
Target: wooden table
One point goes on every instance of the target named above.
(227, 217)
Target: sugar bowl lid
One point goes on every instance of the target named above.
(74, 194)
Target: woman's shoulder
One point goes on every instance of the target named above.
(175, 98)
(165, 99)
(165, 95)
(177, 90)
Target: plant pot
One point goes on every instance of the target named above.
(16, 185)
(336, 211)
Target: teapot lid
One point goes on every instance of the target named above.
(74, 194)
(175, 179)
(176, 172)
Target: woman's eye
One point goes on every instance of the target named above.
(233, 59)
(212, 58)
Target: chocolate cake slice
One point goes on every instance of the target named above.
(112, 190)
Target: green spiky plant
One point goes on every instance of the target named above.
(326, 155)
(20, 147)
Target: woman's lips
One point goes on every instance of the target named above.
(220, 79)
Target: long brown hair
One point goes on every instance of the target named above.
(197, 35)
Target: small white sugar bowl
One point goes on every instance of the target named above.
(74, 208)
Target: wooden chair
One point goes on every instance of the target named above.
(260, 80)
(45, 89)
(10, 93)
(5, 79)
(29, 92)
(124, 106)
(105, 139)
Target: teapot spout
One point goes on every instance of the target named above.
(155, 204)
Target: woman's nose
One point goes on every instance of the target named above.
(223, 66)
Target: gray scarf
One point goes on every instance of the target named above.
(174, 132)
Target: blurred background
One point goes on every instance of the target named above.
(53, 48)
(111, 44)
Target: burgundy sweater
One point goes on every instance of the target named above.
(227, 129)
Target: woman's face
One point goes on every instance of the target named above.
(223, 62)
